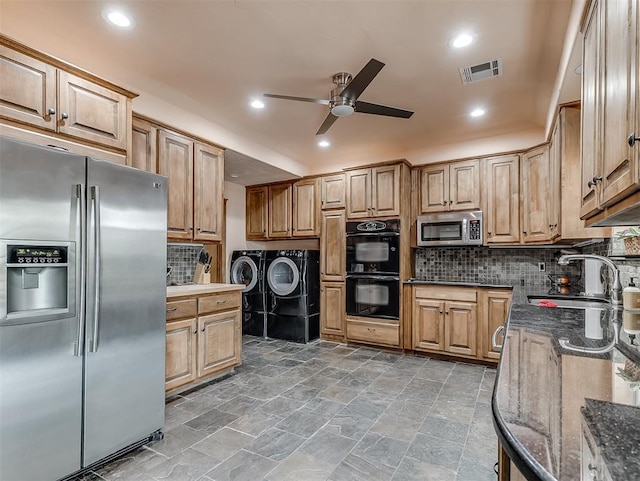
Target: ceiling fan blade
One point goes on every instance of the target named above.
(328, 122)
(367, 108)
(362, 79)
(301, 99)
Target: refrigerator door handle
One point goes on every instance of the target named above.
(78, 345)
(95, 197)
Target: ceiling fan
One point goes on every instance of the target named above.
(344, 97)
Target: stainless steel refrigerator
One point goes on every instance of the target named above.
(82, 310)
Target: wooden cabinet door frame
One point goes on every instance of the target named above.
(280, 200)
(257, 209)
(208, 187)
(181, 353)
(495, 315)
(502, 210)
(434, 188)
(536, 188)
(429, 324)
(175, 161)
(385, 191)
(214, 353)
(333, 246)
(332, 309)
(461, 324)
(333, 191)
(306, 209)
(464, 185)
(144, 142)
(359, 193)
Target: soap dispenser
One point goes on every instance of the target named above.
(631, 296)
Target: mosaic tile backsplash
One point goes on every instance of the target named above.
(181, 258)
(509, 266)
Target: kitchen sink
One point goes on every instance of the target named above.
(570, 303)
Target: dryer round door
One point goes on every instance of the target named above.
(244, 271)
(283, 276)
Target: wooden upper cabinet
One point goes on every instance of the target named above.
(537, 190)
(450, 187)
(619, 83)
(208, 192)
(144, 138)
(175, 161)
(502, 210)
(373, 192)
(91, 112)
(359, 193)
(279, 224)
(306, 208)
(590, 108)
(27, 89)
(333, 191)
(385, 191)
(257, 212)
(610, 103)
(44, 93)
(332, 246)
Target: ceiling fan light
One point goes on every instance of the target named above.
(342, 110)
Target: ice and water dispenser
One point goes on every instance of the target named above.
(37, 280)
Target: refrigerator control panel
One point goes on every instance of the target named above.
(36, 255)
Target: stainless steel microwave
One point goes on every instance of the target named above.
(450, 229)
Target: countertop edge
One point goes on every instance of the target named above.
(419, 282)
(199, 289)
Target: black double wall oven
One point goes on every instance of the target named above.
(373, 269)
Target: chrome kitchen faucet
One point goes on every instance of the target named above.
(616, 288)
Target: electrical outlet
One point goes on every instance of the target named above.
(542, 266)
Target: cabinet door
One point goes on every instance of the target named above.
(358, 193)
(279, 211)
(590, 112)
(619, 172)
(555, 177)
(332, 246)
(27, 89)
(219, 341)
(93, 112)
(180, 363)
(333, 191)
(332, 309)
(464, 185)
(461, 324)
(175, 161)
(208, 178)
(428, 325)
(385, 191)
(502, 212)
(257, 209)
(497, 310)
(536, 192)
(434, 188)
(143, 146)
(306, 211)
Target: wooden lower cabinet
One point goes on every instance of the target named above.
(204, 337)
(332, 311)
(379, 332)
(458, 321)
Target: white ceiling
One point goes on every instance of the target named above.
(212, 57)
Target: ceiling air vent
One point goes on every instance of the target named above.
(482, 71)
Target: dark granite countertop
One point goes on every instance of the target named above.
(458, 283)
(564, 373)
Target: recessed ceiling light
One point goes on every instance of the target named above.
(477, 113)
(257, 104)
(234, 176)
(462, 40)
(324, 143)
(117, 18)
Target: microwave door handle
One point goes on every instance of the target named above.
(465, 230)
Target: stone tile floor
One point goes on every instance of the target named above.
(325, 411)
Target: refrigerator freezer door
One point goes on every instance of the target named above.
(126, 292)
(40, 377)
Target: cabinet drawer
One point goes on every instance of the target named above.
(219, 302)
(181, 309)
(374, 332)
(447, 293)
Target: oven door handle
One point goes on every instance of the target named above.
(369, 276)
(373, 234)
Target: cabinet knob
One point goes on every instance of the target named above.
(450, 202)
(64, 116)
(51, 111)
(444, 202)
(594, 181)
(489, 232)
(202, 330)
(195, 332)
(440, 312)
(632, 139)
(198, 229)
